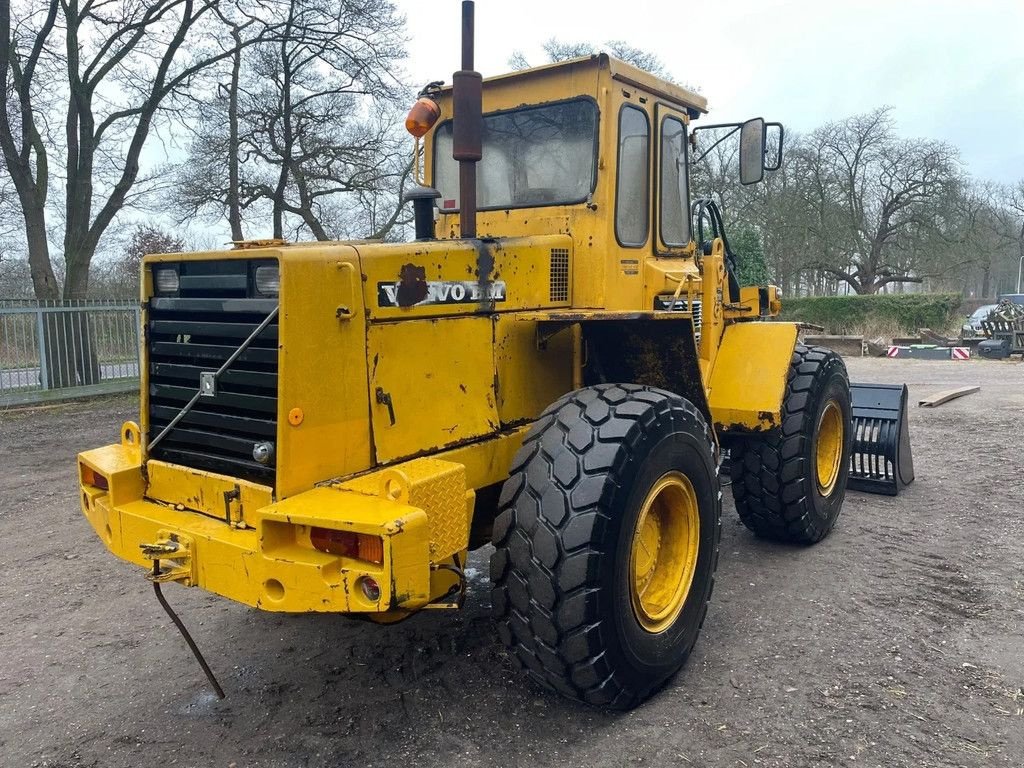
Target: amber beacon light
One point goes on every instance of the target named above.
(422, 116)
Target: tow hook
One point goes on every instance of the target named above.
(177, 550)
(160, 549)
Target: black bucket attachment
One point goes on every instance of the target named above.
(880, 461)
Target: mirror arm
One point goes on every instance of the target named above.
(735, 127)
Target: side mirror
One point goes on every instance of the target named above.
(758, 140)
(752, 151)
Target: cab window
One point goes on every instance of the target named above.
(633, 182)
(674, 193)
(532, 156)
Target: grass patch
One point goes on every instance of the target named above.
(877, 315)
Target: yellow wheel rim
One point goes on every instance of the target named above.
(829, 452)
(663, 558)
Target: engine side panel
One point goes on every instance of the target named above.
(435, 379)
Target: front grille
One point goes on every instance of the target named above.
(196, 331)
(682, 305)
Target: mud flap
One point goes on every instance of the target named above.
(880, 461)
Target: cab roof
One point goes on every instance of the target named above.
(619, 70)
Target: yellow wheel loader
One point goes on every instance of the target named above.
(551, 367)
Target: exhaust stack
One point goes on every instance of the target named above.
(467, 141)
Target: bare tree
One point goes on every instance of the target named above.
(855, 204)
(561, 50)
(105, 70)
(146, 237)
(119, 62)
(879, 198)
(1010, 215)
(311, 126)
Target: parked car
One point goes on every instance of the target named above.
(973, 325)
(1013, 298)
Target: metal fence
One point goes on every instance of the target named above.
(57, 350)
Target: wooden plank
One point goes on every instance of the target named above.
(848, 346)
(945, 396)
(931, 337)
(876, 347)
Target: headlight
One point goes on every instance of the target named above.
(268, 280)
(166, 280)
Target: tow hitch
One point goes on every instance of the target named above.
(178, 551)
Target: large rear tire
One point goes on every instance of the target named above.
(606, 543)
(789, 484)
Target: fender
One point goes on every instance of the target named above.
(748, 382)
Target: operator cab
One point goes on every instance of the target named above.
(594, 148)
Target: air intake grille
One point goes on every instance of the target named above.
(559, 274)
(682, 305)
(196, 331)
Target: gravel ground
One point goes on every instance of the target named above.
(898, 641)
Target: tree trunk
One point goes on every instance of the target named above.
(69, 348)
(1020, 245)
(44, 282)
(287, 140)
(60, 364)
(80, 358)
(234, 194)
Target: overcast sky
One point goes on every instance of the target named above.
(951, 70)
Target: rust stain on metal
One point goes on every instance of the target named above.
(744, 429)
(484, 267)
(412, 285)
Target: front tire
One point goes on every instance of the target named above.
(789, 484)
(606, 543)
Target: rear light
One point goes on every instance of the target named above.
(166, 280)
(93, 478)
(268, 280)
(359, 546)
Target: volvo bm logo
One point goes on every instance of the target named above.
(441, 292)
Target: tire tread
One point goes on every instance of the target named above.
(557, 636)
(768, 473)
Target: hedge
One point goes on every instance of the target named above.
(905, 312)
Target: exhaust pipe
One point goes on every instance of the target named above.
(467, 131)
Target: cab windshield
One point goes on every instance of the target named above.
(532, 156)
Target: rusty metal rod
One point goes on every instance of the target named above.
(467, 131)
(184, 633)
(467, 199)
(467, 34)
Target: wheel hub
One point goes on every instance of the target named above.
(829, 451)
(663, 557)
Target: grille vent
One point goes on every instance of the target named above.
(196, 331)
(682, 305)
(559, 274)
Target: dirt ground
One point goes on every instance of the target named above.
(898, 641)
